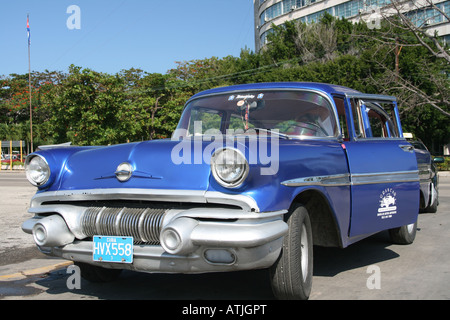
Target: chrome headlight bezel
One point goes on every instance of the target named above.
(31, 164)
(124, 171)
(229, 167)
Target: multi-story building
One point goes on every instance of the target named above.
(268, 12)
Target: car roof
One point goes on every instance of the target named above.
(323, 87)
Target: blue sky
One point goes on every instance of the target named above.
(121, 34)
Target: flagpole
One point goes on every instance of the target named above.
(29, 83)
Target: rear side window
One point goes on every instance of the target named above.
(374, 120)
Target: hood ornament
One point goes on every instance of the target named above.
(124, 171)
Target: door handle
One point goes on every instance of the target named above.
(407, 147)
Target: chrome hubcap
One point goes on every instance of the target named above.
(304, 252)
(410, 227)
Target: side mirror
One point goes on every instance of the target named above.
(439, 160)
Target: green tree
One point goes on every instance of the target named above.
(85, 108)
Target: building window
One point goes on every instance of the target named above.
(426, 16)
(429, 16)
(281, 8)
(349, 9)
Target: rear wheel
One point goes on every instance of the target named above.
(433, 202)
(404, 234)
(291, 275)
(97, 274)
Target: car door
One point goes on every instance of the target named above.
(383, 169)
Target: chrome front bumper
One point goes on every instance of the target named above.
(153, 259)
(209, 239)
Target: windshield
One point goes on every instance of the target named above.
(290, 113)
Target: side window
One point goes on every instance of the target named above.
(375, 121)
(394, 130)
(342, 117)
(372, 119)
(357, 119)
(377, 124)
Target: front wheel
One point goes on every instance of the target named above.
(291, 275)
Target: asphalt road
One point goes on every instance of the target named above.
(373, 269)
(13, 179)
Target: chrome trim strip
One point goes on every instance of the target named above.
(225, 198)
(331, 180)
(385, 177)
(223, 214)
(354, 179)
(195, 196)
(425, 172)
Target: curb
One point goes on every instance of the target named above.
(34, 272)
(444, 173)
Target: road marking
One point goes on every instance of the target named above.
(32, 272)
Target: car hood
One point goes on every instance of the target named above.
(176, 166)
(156, 164)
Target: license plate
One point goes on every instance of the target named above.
(113, 249)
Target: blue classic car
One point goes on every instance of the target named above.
(252, 178)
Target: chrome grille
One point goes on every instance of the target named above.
(143, 224)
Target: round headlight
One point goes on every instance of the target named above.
(37, 170)
(229, 167)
